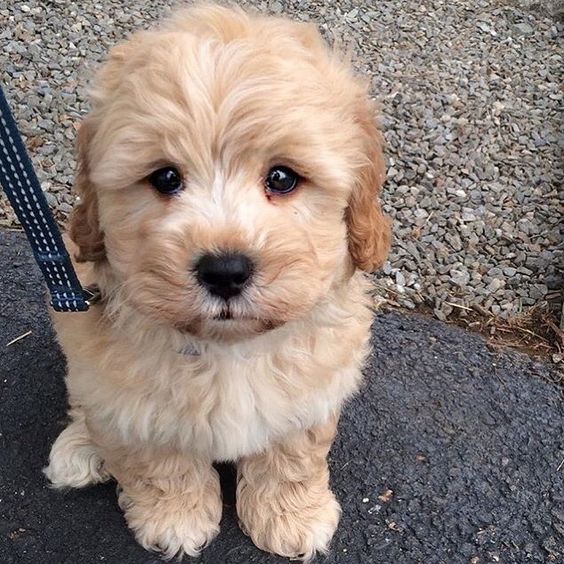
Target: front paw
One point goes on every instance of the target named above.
(74, 461)
(291, 520)
(173, 522)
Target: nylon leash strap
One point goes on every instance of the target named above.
(30, 205)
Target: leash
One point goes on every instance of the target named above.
(30, 205)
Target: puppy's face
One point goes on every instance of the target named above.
(228, 173)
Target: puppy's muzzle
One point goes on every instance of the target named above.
(224, 275)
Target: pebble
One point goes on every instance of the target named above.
(538, 291)
(524, 28)
(400, 279)
(460, 277)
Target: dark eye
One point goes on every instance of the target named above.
(166, 180)
(281, 180)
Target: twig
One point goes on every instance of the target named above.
(529, 332)
(386, 289)
(459, 306)
(18, 338)
(560, 465)
(556, 330)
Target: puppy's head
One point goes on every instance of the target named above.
(229, 173)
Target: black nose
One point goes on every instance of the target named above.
(224, 275)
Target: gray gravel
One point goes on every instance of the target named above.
(470, 98)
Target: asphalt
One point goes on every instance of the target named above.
(450, 453)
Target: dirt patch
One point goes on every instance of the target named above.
(535, 332)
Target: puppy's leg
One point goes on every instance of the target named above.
(172, 503)
(74, 461)
(283, 496)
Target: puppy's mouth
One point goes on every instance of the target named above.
(227, 315)
(224, 315)
(229, 325)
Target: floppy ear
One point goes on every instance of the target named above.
(368, 229)
(84, 226)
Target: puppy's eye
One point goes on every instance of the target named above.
(166, 180)
(281, 180)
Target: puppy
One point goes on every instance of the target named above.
(228, 175)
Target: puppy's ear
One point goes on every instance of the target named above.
(84, 225)
(368, 229)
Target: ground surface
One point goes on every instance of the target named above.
(470, 99)
(469, 443)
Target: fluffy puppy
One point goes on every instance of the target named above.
(228, 177)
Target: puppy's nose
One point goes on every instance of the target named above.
(224, 275)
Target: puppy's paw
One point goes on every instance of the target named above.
(74, 461)
(171, 521)
(294, 522)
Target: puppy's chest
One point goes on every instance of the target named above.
(227, 405)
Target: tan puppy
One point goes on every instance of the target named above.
(228, 175)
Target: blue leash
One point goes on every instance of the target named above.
(28, 200)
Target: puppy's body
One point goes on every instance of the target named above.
(222, 141)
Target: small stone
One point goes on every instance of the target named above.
(495, 285)
(65, 208)
(524, 270)
(538, 291)
(454, 240)
(276, 7)
(51, 199)
(460, 277)
(352, 14)
(495, 272)
(439, 314)
(400, 279)
(524, 28)
(484, 27)
(386, 496)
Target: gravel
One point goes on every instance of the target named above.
(470, 97)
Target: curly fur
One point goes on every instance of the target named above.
(160, 387)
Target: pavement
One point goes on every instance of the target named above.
(451, 453)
